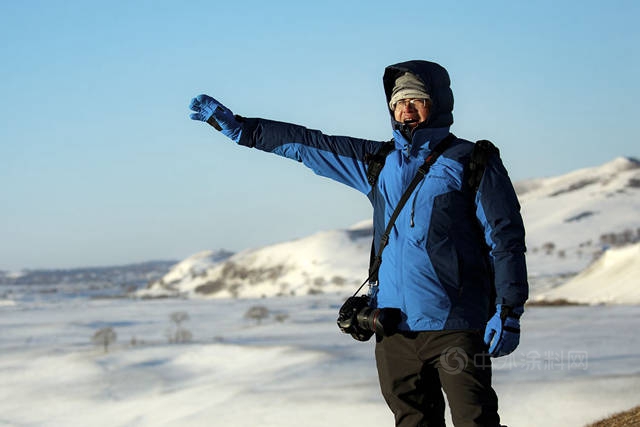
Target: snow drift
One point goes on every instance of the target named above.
(612, 279)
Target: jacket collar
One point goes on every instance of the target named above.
(423, 140)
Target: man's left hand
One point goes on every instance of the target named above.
(502, 334)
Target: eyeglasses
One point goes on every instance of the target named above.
(415, 103)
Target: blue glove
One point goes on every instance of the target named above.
(217, 115)
(502, 334)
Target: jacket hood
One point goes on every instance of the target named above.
(436, 80)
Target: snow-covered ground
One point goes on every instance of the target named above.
(575, 365)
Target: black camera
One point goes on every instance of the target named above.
(361, 321)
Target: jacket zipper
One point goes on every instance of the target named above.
(413, 204)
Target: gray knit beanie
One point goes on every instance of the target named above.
(408, 86)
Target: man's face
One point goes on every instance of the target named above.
(411, 111)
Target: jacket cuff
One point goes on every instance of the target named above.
(510, 311)
(249, 126)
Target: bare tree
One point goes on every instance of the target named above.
(179, 334)
(104, 337)
(182, 335)
(281, 317)
(548, 247)
(178, 317)
(257, 313)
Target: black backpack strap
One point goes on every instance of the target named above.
(422, 172)
(482, 151)
(480, 155)
(375, 161)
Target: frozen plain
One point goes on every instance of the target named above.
(575, 364)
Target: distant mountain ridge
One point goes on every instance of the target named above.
(570, 220)
(578, 179)
(130, 273)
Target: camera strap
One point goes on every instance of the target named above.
(422, 172)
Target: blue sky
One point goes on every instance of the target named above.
(100, 164)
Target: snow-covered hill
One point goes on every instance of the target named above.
(186, 271)
(570, 219)
(613, 278)
(327, 261)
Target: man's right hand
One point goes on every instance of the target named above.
(217, 115)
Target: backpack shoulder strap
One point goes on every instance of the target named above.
(482, 151)
(375, 161)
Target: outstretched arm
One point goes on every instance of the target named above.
(340, 158)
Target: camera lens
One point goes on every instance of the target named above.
(369, 318)
(382, 321)
(361, 321)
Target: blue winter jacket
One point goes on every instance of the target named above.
(452, 254)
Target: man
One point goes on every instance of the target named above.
(454, 263)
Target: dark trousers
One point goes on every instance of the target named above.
(414, 368)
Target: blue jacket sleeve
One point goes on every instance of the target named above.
(498, 210)
(340, 158)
